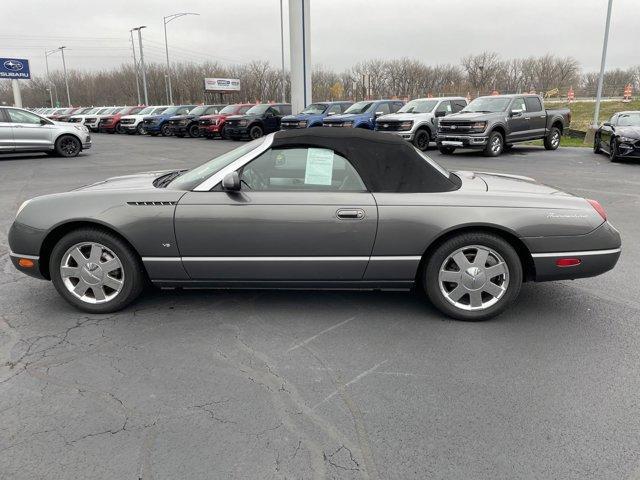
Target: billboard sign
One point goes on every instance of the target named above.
(222, 84)
(15, 68)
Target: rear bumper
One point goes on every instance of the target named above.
(592, 263)
(462, 141)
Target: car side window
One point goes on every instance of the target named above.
(533, 104)
(614, 120)
(301, 169)
(395, 106)
(384, 108)
(18, 116)
(211, 110)
(458, 105)
(273, 111)
(518, 104)
(445, 106)
(335, 109)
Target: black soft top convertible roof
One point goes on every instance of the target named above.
(385, 162)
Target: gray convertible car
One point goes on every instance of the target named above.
(315, 208)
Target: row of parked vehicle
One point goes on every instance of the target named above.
(492, 123)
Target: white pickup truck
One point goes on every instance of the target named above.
(417, 120)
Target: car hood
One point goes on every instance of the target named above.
(400, 117)
(504, 183)
(136, 181)
(302, 116)
(631, 132)
(470, 116)
(182, 117)
(348, 116)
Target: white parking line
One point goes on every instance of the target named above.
(311, 339)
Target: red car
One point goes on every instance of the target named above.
(212, 126)
(63, 114)
(111, 123)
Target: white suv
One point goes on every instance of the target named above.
(133, 123)
(24, 131)
(417, 120)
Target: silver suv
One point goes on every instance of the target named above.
(417, 120)
(24, 131)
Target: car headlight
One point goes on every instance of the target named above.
(243, 123)
(21, 207)
(406, 125)
(628, 139)
(477, 127)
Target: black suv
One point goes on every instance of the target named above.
(259, 119)
(187, 124)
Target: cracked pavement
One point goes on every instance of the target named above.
(314, 385)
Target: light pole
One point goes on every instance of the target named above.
(135, 66)
(166, 20)
(66, 80)
(144, 70)
(282, 49)
(596, 113)
(46, 60)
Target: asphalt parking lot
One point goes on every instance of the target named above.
(349, 385)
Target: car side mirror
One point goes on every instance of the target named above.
(516, 113)
(330, 113)
(377, 114)
(441, 114)
(607, 124)
(231, 182)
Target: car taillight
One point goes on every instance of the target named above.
(598, 208)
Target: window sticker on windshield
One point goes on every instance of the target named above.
(319, 169)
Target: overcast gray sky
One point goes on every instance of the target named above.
(343, 32)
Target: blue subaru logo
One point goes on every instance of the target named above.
(14, 65)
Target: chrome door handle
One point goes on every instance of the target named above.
(350, 214)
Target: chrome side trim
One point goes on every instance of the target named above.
(217, 177)
(576, 254)
(19, 255)
(409, 258)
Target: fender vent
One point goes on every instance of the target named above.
(150, 204)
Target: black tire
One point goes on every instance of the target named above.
(613, 150)
(255, 132)
(495, 145)
(596, 144)
(134, 277)
(140, 129)
(119, 128)
(421, 139)
(68, 146)
(446, 150)
(435, 263)
(194, 131)
(552, 140)
(224, 134)
(165, 130)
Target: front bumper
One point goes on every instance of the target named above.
(151, 127)
(237, 131)
(462, 141)
(107, 127)
(33, 270)
(179, 129)
(629, 150)
(406, 134)
(129, 127)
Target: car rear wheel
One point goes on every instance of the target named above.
(552, 140)
(422, 139)
(194, 131)
(446, 150)
(255, 132)
(473, 276)
(495, 145)
(68, 146)
(165, 130)
(96, 271)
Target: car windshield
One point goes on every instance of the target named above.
(168, 111)
(199, 110)
(258, 109)
(418, 106)
(229, 109)
(159, 110)
(315, 109)
(488, 105)
(434, 164)
(102, 110)
(359, 107)
(145, 111)
(195, 176)
(629, 120)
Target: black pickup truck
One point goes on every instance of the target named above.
(494, 123)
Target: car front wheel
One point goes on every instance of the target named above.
(613, 150)
(495, 145)
(473, 276)
(68, 146)
(596, 144)
(421, 140)
(95, 271)
(194, 131)
(255, 132)
(165, 130)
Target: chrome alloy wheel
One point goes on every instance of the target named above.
(555, 139)
(92, 272)
(496, 144)
(473, 278)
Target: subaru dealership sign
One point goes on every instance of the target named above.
(222, 85)
(14, 68)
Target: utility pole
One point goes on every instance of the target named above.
(166, 20)
(66, 80)
(284, 99)
(596, 114)
(135, 67)
(46, 60)
(144, 70)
